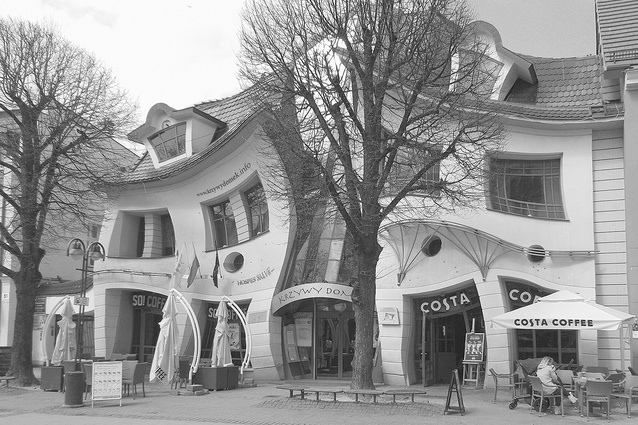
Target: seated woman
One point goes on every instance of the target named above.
(546, 372)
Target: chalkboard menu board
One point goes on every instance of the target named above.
(107, 381)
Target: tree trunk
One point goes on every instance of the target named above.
(22, 350)
(363, 304)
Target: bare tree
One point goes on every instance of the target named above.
(60, 112)
(382, 108)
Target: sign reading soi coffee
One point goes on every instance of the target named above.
(149, 300)
(450, 302)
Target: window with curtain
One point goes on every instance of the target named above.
(224, 227)
(526, 187)
(257, 206)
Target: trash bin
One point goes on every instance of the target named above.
(74, 383)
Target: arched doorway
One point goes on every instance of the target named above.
(442, 320)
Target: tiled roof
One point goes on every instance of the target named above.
(564, 82)
(235, 111)
(618, 31)
(73, 287)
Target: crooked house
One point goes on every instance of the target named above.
(555, 215)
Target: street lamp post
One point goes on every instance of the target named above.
(76, 250)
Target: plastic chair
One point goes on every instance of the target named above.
(133, 373)
(509, 384)
(87, 368)
(596, 369)
(538, 394)
(629, 387)
(567, 378)
(599, 392)
(633, 372)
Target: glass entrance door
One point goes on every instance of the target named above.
(145, 333)
(335, 345)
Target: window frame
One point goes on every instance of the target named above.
(508, 173)
(177, 141)
(226, 220)
(258, 208)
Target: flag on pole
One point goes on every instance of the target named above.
(193, 272)
(216, 271)
(178, 272)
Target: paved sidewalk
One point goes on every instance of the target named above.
(265, 404)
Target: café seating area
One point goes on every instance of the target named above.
(597, 388)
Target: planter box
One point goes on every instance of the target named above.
(217, 378)
(51, 378)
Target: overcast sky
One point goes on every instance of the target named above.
(182, 52)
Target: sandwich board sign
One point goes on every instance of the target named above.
(107, 381)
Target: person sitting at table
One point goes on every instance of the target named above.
(546, 372)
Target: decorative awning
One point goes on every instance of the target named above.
(407, 238)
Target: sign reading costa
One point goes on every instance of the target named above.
(523, 297)
(149, 301)
(444, 304)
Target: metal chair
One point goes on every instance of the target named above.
(509, 384)
(567, 378)
(598, 392)
(133, 373)
(616, 378)
(629, 392)
(538, 394)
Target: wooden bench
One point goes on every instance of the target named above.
(404, 391)
(320, 390)
(7, 379)
(293, 389)
(373, 393)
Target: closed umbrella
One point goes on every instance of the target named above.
(221, 344)
(65, 341)
(166, 350)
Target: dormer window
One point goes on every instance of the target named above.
(169, 142)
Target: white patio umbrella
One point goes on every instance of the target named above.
(65, 344)
(221, 343)
(567, 311)
(166, 350)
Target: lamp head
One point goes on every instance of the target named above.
(75, 249)
(96, 251)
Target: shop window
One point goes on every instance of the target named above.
(224, 227)
(169, 142)
(238, 333)
(257, 207)
(561, 345)
(526, 187)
